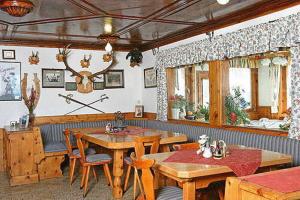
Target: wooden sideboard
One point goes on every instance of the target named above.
(21, 155)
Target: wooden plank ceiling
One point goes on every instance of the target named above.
(144, 24)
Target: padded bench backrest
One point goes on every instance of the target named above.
(272, 143)
(52, 133)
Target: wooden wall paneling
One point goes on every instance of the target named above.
(171, 80)
(219, 87)
(2, 156)
(283, 92)
(59, 119)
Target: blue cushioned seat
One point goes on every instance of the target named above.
(98, 158)
(88, 151)
(54, 147)
(127, 160)
(169, 193)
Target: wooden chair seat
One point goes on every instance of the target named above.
(169, 193)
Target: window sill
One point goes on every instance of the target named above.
(189, 122)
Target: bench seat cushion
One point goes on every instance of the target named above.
(169, 193)
(54, 147)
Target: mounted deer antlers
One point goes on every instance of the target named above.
(85, 78)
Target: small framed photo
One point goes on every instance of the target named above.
(8, 54)
(53, 78)
(139, 111)
(71, 86)
(98, 85)
(150, 78)
(114, 79)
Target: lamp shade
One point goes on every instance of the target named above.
(222, 2)
(16, 8)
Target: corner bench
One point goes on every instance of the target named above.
(55, 150)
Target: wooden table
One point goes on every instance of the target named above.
(121, 143)
(196, 176)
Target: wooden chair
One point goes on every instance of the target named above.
(185, 146)
(147, 192)
(140, 143)
(90, 161)
(74, 154)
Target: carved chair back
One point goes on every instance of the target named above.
(141, 141)
(147, 192)
(80, 146)
(68, 141)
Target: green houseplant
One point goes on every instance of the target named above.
(202, 112)
(235, 105)
(178, 104)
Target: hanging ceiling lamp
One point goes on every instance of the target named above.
(222, 2)
(16, 8)
(109, 39)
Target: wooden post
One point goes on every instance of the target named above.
(171, 87)
(2, 162)
(218, 89)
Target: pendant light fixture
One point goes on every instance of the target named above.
(16, 8)
(223, 2)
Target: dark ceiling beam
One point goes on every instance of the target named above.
(86, 17)
(61, 44)
(257, 10)
(95, 7)
(71, 35)
(82, 7)
(148, 18)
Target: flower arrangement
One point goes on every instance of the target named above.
(178, 101)
(202, 112)
(235, 106)
(31, 102)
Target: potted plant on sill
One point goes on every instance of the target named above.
(202, 113)
(189, 107)
(235, 106)
(178, 103)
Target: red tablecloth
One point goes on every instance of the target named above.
(285, 181)
(242, 162)
(131, 131)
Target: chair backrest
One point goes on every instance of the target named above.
(68, 141)
(80, 146)
(178, 147)
(142, 141)
(147, 176)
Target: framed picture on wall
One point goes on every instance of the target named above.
(71, 86)
(114, 79)
(10, 81)
(98, 86)
(150, 78)
(53, 78)
(139, 110)
(8, 54)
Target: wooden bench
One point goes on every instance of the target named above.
(255, 187)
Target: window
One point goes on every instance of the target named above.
(188, 92)
(241, 78)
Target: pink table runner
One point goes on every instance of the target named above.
(284, 181)
(242, 162)
(131, 131)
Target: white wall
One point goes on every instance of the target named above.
(149, 96)
(123, 99)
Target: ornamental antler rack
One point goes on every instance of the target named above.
(84, 78)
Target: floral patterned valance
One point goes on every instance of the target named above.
(284, 32)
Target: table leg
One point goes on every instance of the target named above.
(117, 173)
(189, 190)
